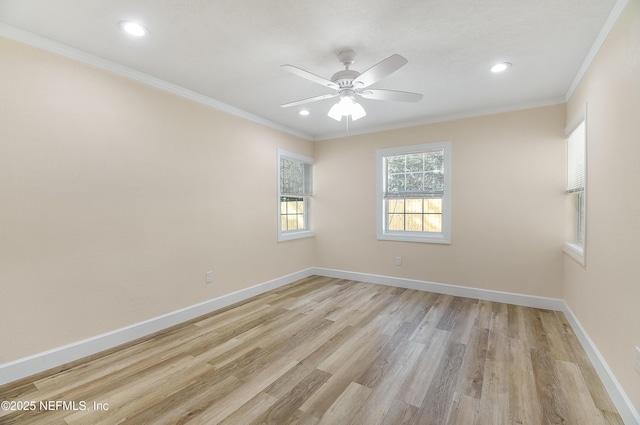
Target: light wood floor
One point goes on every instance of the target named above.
(330, 351)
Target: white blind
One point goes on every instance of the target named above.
(414, 175)
(576, 159)
(295, 178)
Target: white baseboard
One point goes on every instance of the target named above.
(59, 356)
(443, 288)
(41, 362)
(625, 407)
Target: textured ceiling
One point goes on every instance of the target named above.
(231, 51)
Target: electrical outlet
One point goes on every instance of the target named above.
(208, 277)
(398, 261)
(638, 359)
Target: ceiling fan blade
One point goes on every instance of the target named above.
(398, 96)
(309, 100)
(309, 76)
(380, 70)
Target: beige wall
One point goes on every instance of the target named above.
(605, 295)
(507, 204)
(116, 198)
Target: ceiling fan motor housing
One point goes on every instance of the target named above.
(344, 78)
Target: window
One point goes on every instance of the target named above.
(294, 191)
(576, 190)
(414, 193)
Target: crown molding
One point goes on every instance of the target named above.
(61, 49)
(450, 117)
(595, 47)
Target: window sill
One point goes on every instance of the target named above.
(408, 237)
(575, 251)
(290, 236)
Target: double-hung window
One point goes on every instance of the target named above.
(294, 193)
(414, 193)
(576, 190)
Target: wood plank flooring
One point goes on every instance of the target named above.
(327, 351)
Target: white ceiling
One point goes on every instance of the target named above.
(230, 51)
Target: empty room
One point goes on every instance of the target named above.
(317, 213)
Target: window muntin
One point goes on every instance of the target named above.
(294, 193)
(414, 214)
(295, 176)
(414, 175)
(576, 190)
(580, 226)
(292, 213)
(413, 193)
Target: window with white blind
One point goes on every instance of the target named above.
(576, 190)
(414, 193)
(294, 193)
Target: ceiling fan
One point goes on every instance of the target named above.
(350, 84)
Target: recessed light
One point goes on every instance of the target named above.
(133, 28)
(499, 67)
(304, 112)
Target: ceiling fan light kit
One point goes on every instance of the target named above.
(347, 106)
(349, 84)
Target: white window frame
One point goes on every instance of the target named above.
(443, 237)
(576, 248)
(287, 235)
